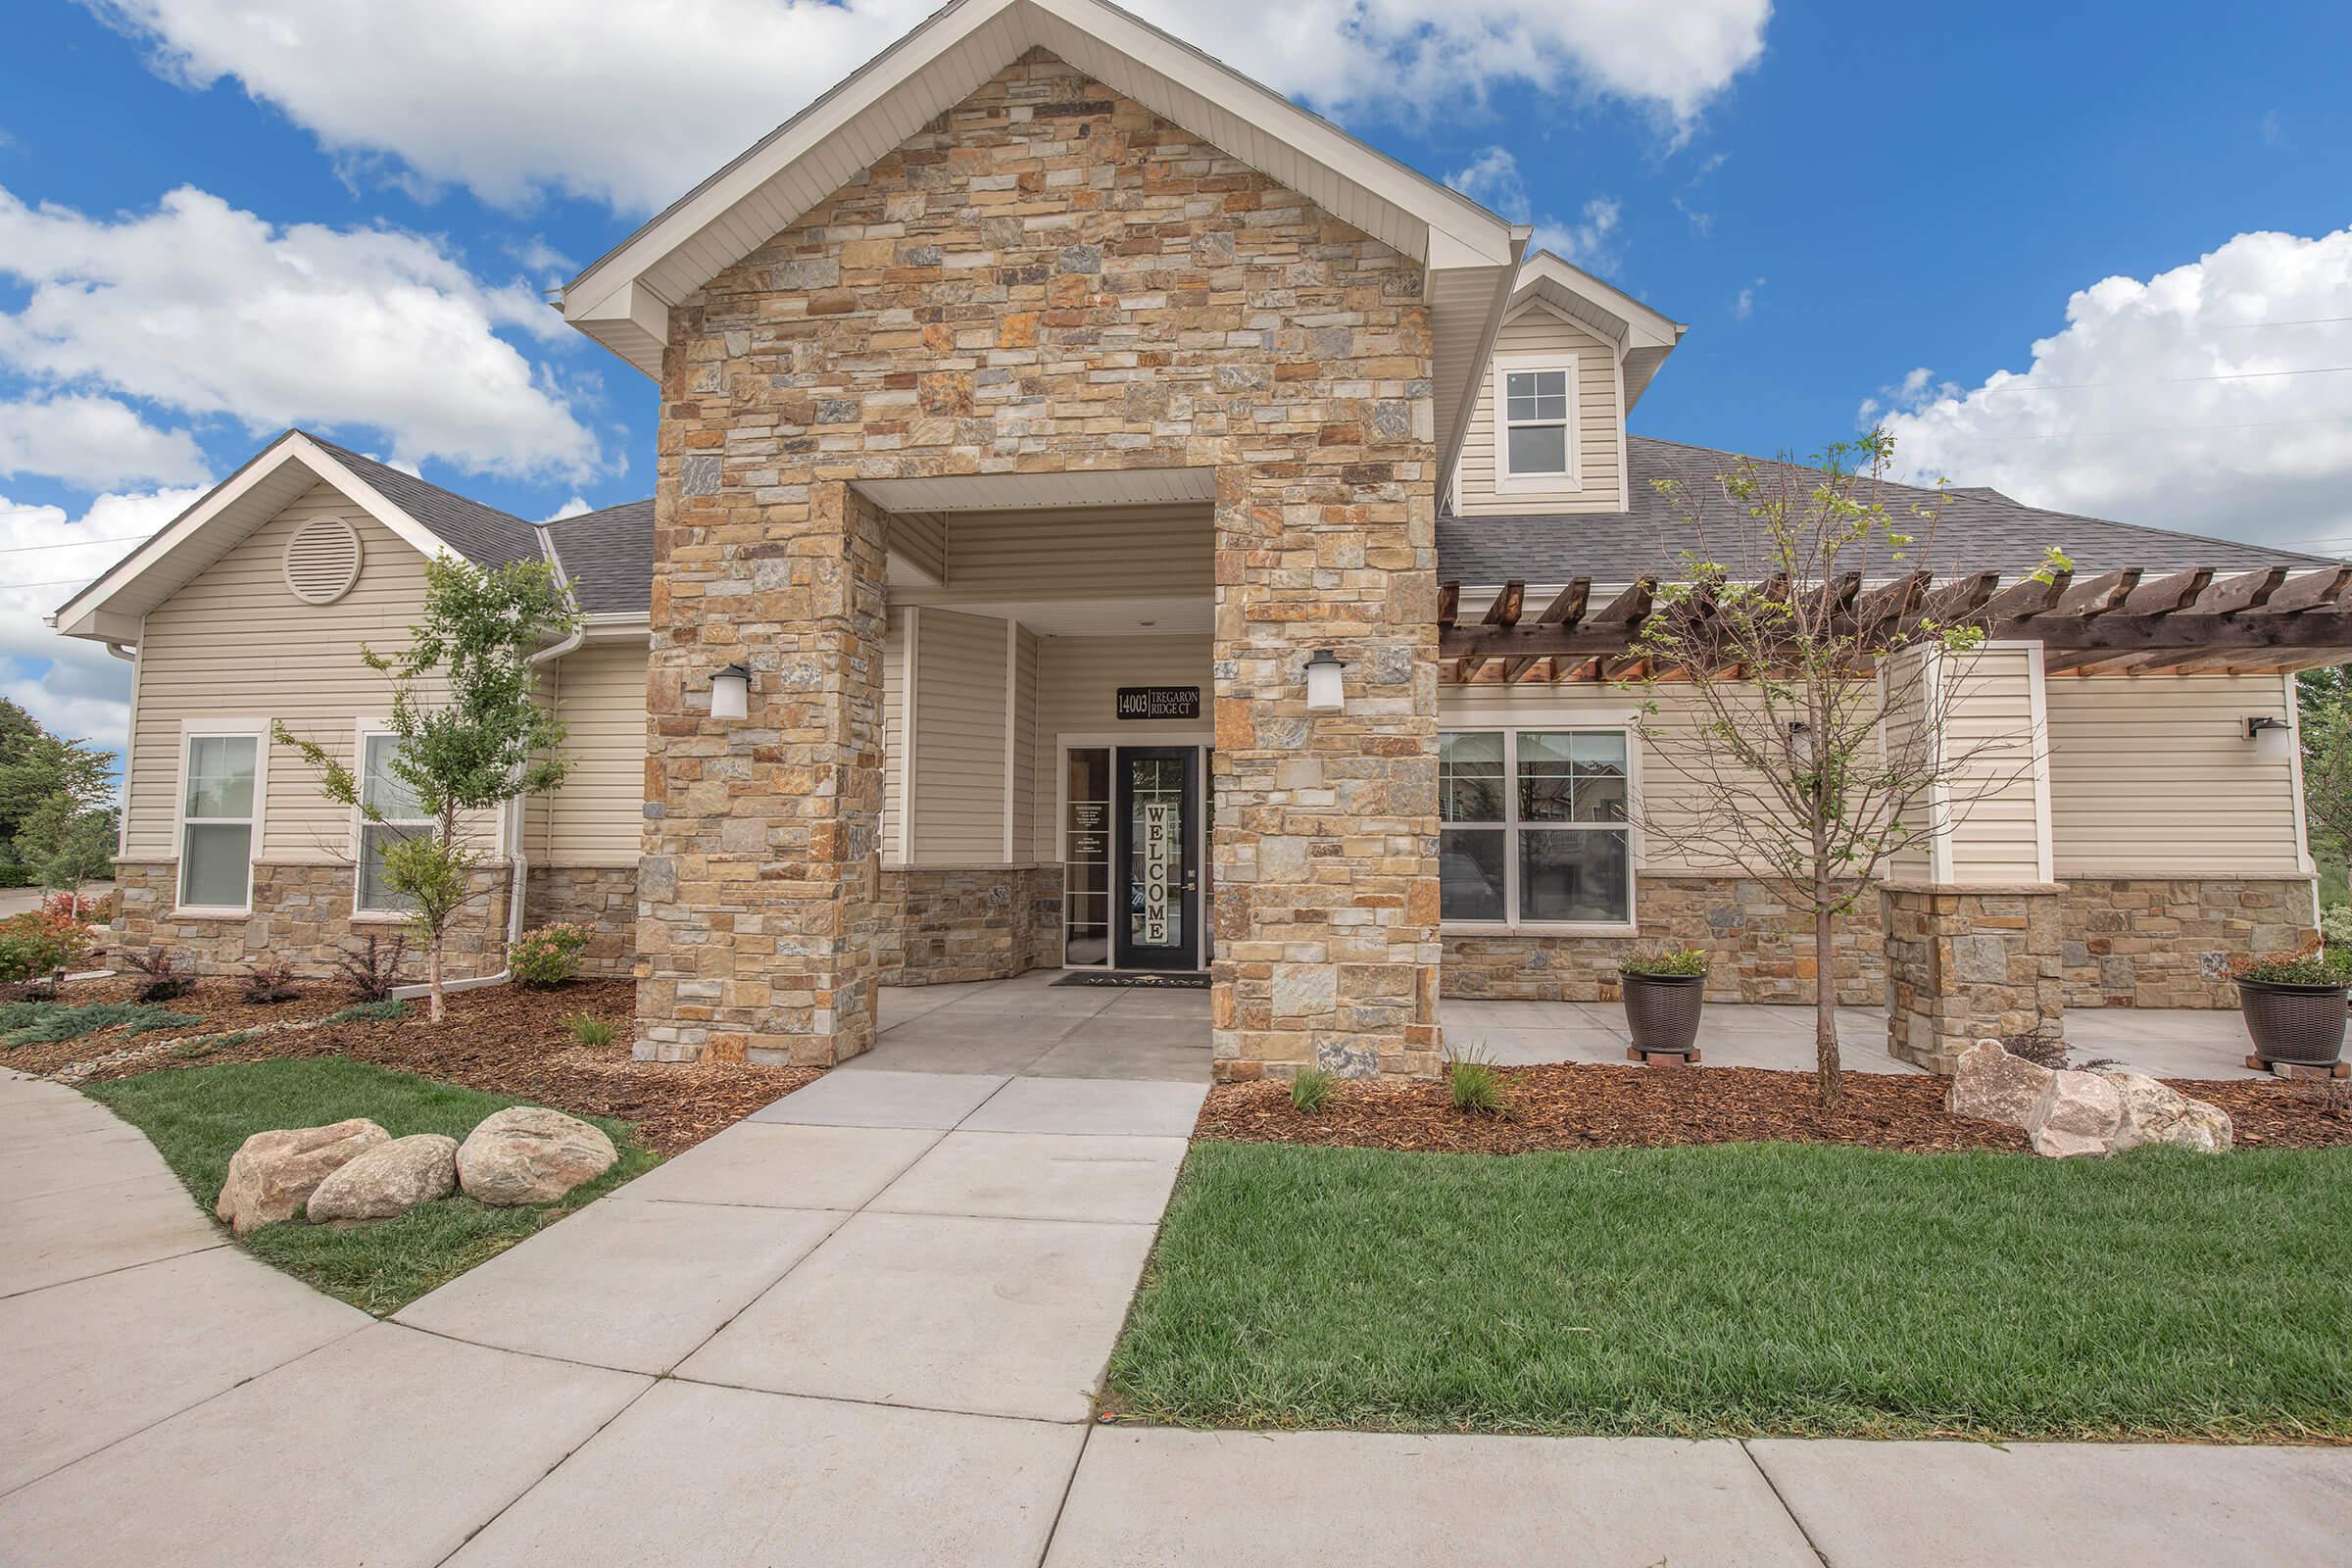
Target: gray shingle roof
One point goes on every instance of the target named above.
(1980, 530)
(482, 534)
(608, 557)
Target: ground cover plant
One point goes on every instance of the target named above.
(1750, 1289)
(39, 1023)
(198, 1115)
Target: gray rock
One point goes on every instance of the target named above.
(1992, 1085)
(389, 1179)
(524, 1155)
(272, 1174)
(2154, 1113)
(2078, 1114)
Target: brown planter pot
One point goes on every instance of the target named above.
(2299, 1024)
(1661, 1010)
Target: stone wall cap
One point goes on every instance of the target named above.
(1998, 889)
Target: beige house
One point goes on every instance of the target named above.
(1037, 408)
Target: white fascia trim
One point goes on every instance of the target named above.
(2294, 741)
(78, 616)
(1638, 327)
(600, 294)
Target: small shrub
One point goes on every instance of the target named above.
(45, 1023)
(590, 1030)
(1474, 1086)
(376, 1011)
(371, 969)
(38, 942)
(548, 957)
(2335, 926)
(1311, 1090)
(13, 875)
(165, 971)
(1666, 963)
(2310, 964)
(269, 982)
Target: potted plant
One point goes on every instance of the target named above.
(2294, 1004)
(1663, 994)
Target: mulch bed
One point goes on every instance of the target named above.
(217, 1001)
(1581, 1105)
(514, 1041)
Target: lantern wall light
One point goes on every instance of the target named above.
(731, 692)
(1324, 691)
(2271, 736)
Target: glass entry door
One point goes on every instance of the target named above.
(1156, 897)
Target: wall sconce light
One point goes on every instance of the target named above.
(1323, 690)
(2270, 736)
(731, 692)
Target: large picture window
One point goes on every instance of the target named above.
(219, 820)
(392, 802)
(1535, 827)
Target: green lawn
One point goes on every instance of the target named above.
(197, 1116)
(1750, 1289)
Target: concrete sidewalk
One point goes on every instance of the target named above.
(866, 1326)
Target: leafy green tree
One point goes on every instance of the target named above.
(35, 765)
(468, 735)
(2327, 726)
(1795, 761)
(68, 844)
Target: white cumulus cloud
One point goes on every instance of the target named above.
(633, 104)
(92, 443)
(2215, 398)
(1493, 180)
(49, 556)
(204, 309)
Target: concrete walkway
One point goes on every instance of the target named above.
(864, 1327)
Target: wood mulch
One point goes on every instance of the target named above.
(217, 1002)
(1583, 1106)
(514, 1041)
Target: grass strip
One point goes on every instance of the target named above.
(198, 1116)
(1750, 1289)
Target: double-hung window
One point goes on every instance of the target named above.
(220, 788)
(395, 816)
(1536, 447)
(1535, 827)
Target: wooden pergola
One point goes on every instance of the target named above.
(2126, 622)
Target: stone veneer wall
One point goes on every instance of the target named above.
(1965, 966)
(1046, 279)
(2142, 942)
(1762, 950)
(302, 915)
(602, 897)
(944, 924)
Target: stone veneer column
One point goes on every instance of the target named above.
(1326, 877)
(758, 887)
(1964, 965)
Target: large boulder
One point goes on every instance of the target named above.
(2078, 1113)
(1992, 1085)
(389, 1179)
(272, 1174)
(2154, 1113)
(524, 1155)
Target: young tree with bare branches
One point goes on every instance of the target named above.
(1799, 683)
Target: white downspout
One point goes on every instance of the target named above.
(511, 828)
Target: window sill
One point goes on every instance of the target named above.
(378, 918)
(1538, 484)
(198, 913)
(1538, 928)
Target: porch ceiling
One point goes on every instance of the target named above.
(2118, 622)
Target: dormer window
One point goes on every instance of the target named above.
(1536, 402)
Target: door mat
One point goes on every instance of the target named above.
(1135, 977)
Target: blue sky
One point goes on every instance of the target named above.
(1860, 211)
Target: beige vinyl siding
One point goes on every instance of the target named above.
(1024, 744)
(1077, 693)
(235, 642)
(598, 817)
(960, 739)
(1595, 426)
(894, 730)
(2153, 776)
(1995, 836)
(1116, 553)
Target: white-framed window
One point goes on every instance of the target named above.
(1535, 827)
(395, 805)
(1534, 423)
(223, 777)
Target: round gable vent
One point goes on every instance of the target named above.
(322, 561)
